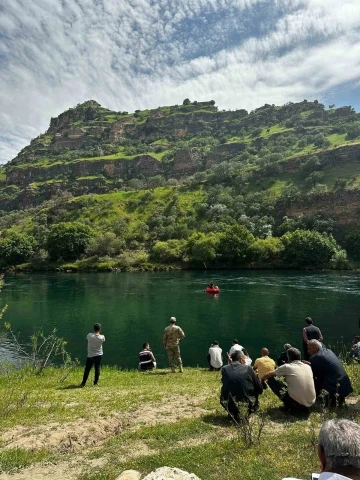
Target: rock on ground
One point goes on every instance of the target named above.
(167, 473)
(129, 475)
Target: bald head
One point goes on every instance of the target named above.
(264, 352)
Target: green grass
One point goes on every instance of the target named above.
(164, 419)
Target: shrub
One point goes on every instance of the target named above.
(235, 244)
(68, 240)
(307, 249)
(16, 248)
(103, 245)
(170, 251)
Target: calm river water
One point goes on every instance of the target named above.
(260, 308)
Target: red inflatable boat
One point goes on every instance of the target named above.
(212, 290)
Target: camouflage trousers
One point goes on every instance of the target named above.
(173, 353)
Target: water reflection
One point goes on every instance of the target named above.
(258, 308)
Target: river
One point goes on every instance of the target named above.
(259, 308)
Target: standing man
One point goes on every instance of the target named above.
(95, 354)
(173, 335)
(310, 332)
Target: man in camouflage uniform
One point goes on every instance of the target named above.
(172, 337)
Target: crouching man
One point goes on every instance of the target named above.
(240, 384)
(299, 393)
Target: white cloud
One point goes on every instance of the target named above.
(133, 54)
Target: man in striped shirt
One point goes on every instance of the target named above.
(147, 360)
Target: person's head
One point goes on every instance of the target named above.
(287, 346)
(216, 343)
(293, 354)
(264, 352)
(97, 327)
(339, 447)
(308, 321)
(238, 356)
(356, 339)
(313, 347)
(146, 346)
(234, 342)
(172, 319)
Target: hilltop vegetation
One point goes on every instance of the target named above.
(186, 185)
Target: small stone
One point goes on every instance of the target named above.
(129, 475)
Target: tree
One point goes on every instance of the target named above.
(308, 249)
(203, 248)
(235, 245)
(16, 248)
(186, 101)
(105, 245)
(267, 251)
(170, 251)
(68, 240)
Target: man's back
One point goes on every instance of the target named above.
(95, 342)
(300, 382)
(329, 372)
(215, 353)
(239, 380)
(264, 365)
(313, 333)
(172, 335)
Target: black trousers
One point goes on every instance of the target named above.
(280, 389)
(210, 366)
(90, 361)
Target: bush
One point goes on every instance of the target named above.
(202, 248)
(267, 251)
(16, 248)
(68, 240)
(235, 245)
(307, 249)
(170, 251)
(107, 244)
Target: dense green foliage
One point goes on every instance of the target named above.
(188, 184)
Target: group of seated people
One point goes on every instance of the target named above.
(321, 378)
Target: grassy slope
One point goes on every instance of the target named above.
(164, 419)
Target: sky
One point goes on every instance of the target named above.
(136, 54)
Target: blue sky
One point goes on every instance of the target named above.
(134, 54)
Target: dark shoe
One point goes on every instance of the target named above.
(82, 385)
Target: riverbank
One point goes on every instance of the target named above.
(52, 429)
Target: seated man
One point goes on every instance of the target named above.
(239, 384)
(147, 360)
(339, 450)
(283, 358)
(264, 365)
(329, 374)
(235, 346)
(215, 356)
(299, 393)
(355, 350)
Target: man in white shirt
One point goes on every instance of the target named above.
(215, 357)
(299, 393)
(95, 354)
(235, 347)
(339, 450)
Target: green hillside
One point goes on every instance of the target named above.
(186, 185)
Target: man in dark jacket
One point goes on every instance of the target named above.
(239, 384)
(329, 374)
(310, 332)
(283, 357)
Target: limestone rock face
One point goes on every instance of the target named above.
(167, 473)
